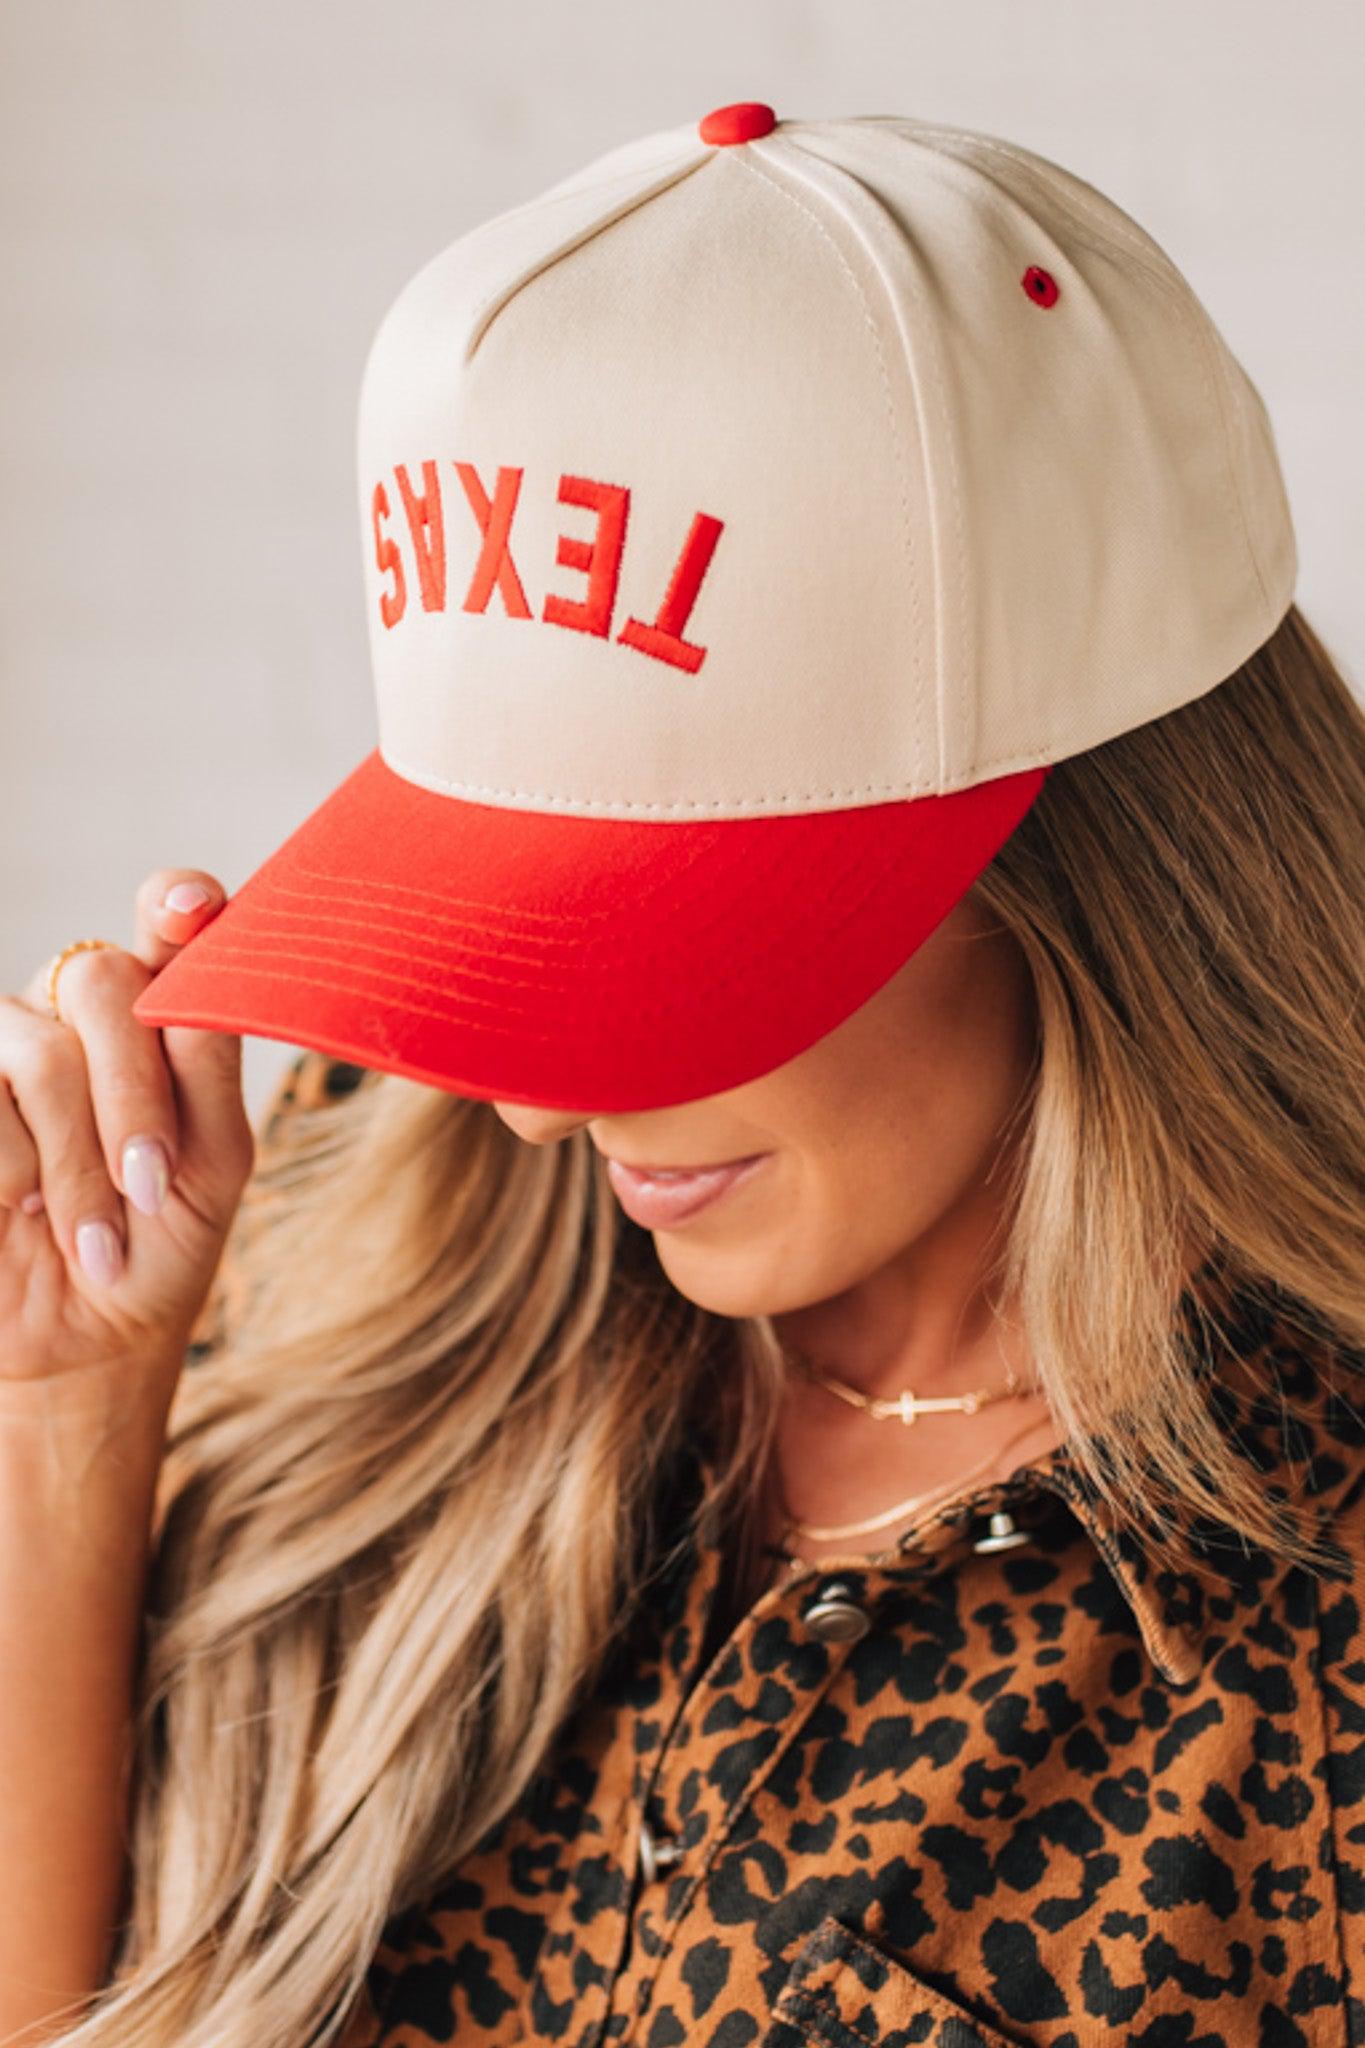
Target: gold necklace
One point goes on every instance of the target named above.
(907, 1405)
(902, 1508)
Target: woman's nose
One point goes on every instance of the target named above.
(540, 1126)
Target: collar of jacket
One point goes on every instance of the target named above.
(1291, 1403)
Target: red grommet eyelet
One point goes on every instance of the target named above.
(1040, 285)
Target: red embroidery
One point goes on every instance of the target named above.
(600, 557)
(392, 604)
(664, 638)
(494, 561)
(427, 527)
(1040, 285)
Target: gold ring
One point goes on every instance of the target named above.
(59, 961)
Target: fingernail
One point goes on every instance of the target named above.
(146, 1174)
(32, 1203)
(97, 1248)
(186, 896)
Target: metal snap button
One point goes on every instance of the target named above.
(835, 1616)
(655, 1853)
(1002, 1533)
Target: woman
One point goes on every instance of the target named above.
(566, 1623)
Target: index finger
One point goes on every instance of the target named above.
(161, 928)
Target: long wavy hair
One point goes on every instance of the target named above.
(412, 1495)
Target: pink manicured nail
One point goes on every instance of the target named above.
(98, 1249)
(146, 1174)
(186, 896)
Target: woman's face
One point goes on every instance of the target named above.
(879, 1139)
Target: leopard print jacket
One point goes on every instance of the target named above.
(1016, 1781)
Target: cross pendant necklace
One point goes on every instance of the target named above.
(907, 1405)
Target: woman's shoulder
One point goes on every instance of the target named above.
(1294, 1397)
(1296, 1411)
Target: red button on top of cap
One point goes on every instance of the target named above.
(739, 123)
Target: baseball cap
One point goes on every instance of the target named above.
(750, 522)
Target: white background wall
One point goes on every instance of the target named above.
(206, 208)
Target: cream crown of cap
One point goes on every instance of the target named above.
(853, 460)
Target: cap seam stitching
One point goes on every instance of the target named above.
(753, 165)
(497, 301)
(933, 376)
(890, 792)
(1165, 272)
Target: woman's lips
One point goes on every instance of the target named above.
(659, 1203)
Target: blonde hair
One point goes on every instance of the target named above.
(412, 1498)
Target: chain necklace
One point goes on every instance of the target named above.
(907, 1404)
(906, 1407)
(898, 1513)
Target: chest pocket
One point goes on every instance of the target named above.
(843, 1992)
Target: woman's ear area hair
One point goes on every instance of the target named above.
(1190, 897)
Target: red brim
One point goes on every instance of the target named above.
(576, 963)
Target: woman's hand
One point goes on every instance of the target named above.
(87, 1275)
